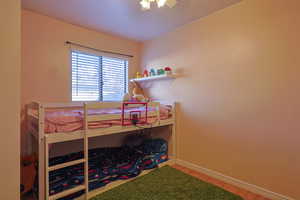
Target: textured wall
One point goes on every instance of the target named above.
(10, 67)
(239, 91)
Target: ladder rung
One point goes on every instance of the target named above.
(67, 164)
(67, 192)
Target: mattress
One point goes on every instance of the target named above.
(71, 119)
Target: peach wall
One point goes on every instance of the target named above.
(46, 61)
(239, 92)
(10, 56)
(45, 57)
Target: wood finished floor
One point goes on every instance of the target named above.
(246, 195)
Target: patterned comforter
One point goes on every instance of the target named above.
(107, 165)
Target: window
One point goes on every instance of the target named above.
(98, 78)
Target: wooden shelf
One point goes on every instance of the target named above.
(155, 78)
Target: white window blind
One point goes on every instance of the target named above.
(98, 78)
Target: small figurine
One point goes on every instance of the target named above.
(138, 75)
(146, 73)
(160, 71)
(168, 70)
(152, 72)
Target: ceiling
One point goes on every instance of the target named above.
(125, 17)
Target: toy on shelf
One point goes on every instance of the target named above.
(168, 70)
(138, 75)
(146, 73)
(152, 72)
(160, 71)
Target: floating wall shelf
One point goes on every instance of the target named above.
(155, 78)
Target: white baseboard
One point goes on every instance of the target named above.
(241, 184)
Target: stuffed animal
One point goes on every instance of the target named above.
(138, 93)
(28, 173)
(126, 97)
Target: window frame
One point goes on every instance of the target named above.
(100, 55)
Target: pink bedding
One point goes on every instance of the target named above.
(68, 120)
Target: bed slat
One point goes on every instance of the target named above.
(67, 192)
(66, 164)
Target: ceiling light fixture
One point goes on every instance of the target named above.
(161, 3)
(146, 4)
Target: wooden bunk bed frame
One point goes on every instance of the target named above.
(43, 140)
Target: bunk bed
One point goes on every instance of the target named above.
(51, 123)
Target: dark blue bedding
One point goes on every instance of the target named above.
(107, 165)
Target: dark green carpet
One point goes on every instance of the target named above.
(167, 183)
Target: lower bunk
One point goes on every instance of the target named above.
(107, 166)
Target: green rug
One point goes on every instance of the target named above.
(167, 183)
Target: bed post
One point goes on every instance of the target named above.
(158, 113)
(174, 137)
(46, 168)
(86, 152)
(41, 145)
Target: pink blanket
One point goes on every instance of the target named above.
(68, 120)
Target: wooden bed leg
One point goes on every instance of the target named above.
(174, 137)
(86, 153)
(41, 142)
(86, 166)
(41, 170)
(46, 169)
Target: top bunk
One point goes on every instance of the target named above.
(59, 122)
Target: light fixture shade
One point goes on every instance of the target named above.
(161, 3)
(171, 3)
(146, 5)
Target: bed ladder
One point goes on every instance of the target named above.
(84, 186)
